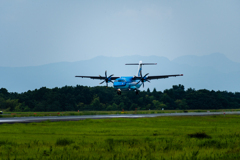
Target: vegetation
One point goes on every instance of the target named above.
(186, 138)
(84, 98)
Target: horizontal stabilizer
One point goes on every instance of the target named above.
(141, 63)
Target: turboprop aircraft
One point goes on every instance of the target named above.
(132, 83)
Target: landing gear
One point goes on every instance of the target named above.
(119, 92)
(137, 92)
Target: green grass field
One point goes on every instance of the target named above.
(199, 137)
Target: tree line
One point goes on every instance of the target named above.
(83, 98)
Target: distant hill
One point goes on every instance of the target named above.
(216, 61)
(212, 72)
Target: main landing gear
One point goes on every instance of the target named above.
(119, 92)
(137, 92)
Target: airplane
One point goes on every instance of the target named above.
(132, 83)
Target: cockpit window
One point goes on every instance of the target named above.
(120, 80)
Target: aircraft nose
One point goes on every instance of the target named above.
(119, 83)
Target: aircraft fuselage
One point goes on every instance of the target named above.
(126, 84)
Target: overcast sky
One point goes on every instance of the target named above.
(36, 32)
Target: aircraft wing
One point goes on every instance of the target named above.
(157, 77)
(97, 77)
(163, 76)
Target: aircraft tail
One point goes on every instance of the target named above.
(139, 71)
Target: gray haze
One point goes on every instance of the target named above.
(212, 72)
(39, 32)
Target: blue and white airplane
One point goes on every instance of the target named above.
(132, 83)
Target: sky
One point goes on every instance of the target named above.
(40, 32)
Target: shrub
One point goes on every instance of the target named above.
(199, 135)
(63, 141)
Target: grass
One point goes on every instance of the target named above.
(76, 113)
(200, 137)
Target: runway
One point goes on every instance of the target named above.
(76, 118)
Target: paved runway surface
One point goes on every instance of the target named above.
(75, 118)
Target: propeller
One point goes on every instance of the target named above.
(107, 79)
(143, 78)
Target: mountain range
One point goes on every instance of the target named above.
(212, 72)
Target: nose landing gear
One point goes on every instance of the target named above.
(119, 92)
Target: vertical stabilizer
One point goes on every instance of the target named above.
(139, 71)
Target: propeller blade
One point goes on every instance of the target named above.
(146, 74)
(138, 81)
(143, 84)
(107, 79)
(110, 76)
